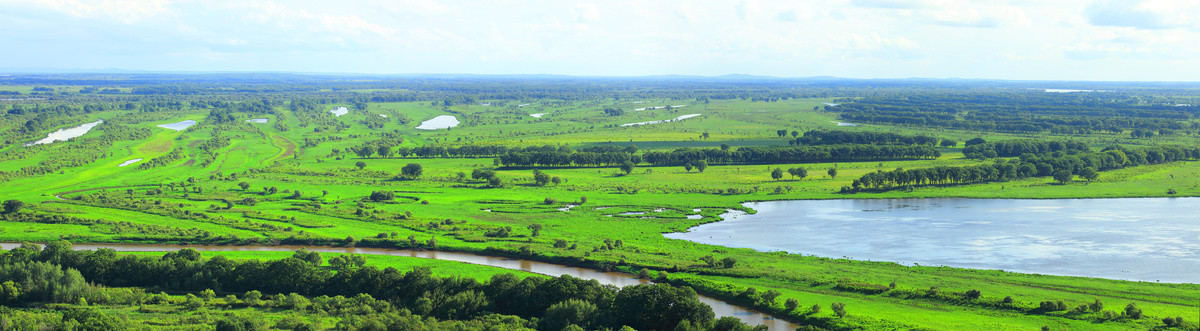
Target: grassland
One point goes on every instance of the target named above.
(322, 199)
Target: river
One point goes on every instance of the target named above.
(719, 307)
(1152, 239)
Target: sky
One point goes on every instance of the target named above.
(1144, 40)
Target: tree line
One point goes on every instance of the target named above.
(559, 302)
(1012, 148)
(1062, 166)
(790, 154)
(835, 137)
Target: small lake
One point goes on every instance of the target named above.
(258, 120)
(538, 115)
(67, 133)
(1155, 239)
(127, 163)
(340, 111)
(178, 126)
(680, 118)
(440, 122)
(719, 307)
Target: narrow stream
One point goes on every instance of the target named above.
(721, 308)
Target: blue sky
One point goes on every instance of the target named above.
(1017, 39)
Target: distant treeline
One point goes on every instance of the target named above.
(1012, 148)
(1024, 111)
(828, 137)
(565, 300)
(743, 155)
(791, 154)
(1028, 165)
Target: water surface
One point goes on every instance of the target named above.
(440, 122)
(258, 120)
(178, 126)
(127, 163)
(680, 118)
(67, 133)
(1155, 239)
(340, 111)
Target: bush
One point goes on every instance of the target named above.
(839, 309)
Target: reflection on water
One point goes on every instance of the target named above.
(178, 126)
(1134, 239)
(440, 122)
(66, 134)
(721, 308)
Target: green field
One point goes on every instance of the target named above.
(321, 197)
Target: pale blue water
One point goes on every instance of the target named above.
(1154, 239)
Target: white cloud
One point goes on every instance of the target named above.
(1145, 14)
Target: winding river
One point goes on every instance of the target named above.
(721, 308)
(1149, 239)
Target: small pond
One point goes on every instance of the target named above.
(440, 122)
(680, 118)
(340, 111)
(258, 120)
(67, 133)
(178, 126)
(127, 163)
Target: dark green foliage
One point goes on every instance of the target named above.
(13, 206)
(379, 196)
(829, 137)
(411, 171)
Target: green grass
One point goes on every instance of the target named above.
(264, 156)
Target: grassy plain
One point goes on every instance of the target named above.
(331, 204)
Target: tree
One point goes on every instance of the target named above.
(495, 182)
(313, 258)
(776, 174)
(244, 186)
(949, 143)
(798, 172)
(839, 309)
(701, 165)
(728, 262)
(411, 171)
(540, 178)
(791, 304)
(360, 165)
(660, 307)
(569, 312)
(709, 260)
(385, 151)
(379, 196)
(13, 206)
(687, 167)
(1132, 311)
(1063, 176)
(975, 141)
(627, 167)
(536, 228)
(1089, 174)
(832, 173)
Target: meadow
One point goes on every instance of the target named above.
(298, 180)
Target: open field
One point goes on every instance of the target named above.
(298, 180)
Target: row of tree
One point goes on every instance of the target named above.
(833, 137)
(791, 154)
(1062, 167)
(1012, 148)
(565, 299)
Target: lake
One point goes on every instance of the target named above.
(178, 126)
(1156, 239)
(258, 120)
(440, 122)
(66, 134)
(340, 111)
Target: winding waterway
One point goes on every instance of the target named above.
(719, 307)
(1155, 239)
